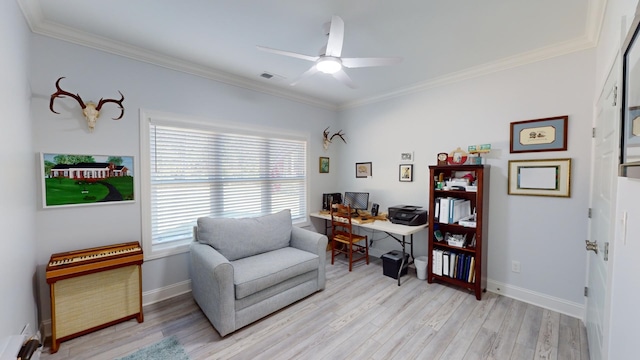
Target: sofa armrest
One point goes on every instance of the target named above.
(312, 242)
(212, 286)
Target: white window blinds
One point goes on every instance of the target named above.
(196, 172)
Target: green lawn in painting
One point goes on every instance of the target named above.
(124, 184)
(63, 191)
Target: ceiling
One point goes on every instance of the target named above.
(440, 40)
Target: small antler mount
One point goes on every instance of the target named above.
(90, 110)
(326, 139)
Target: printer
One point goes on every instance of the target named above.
(407, 215)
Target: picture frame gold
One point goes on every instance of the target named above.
(540, 177)
(548, 134)
(323, 165)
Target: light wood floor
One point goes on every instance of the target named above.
(360, 315)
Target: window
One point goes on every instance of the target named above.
(195, 169)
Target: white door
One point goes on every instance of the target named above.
(601, 229)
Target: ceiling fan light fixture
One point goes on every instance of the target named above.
(329, 65)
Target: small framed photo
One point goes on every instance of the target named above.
(324, 165)
(406, 172)
(544, 177)
(363, 170)
(548, 134)
(406, 156)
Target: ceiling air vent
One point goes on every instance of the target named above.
(271, 76)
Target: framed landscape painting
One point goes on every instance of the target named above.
(72, 180)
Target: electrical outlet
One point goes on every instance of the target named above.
(515, 266)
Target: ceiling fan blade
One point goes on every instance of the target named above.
(367, 62)
(304, 75)
(288, 53)
(336, 36)
(344, 78)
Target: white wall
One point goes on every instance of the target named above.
(96, 74)
(17, 185)
(545, 234)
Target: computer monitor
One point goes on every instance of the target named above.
(357, 200)
(330, 198)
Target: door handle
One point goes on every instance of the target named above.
(592, 245)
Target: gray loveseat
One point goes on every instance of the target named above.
(244, 269)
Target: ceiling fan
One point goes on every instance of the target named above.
(330, 61)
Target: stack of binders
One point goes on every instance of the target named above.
(455, 265)
(450, 210)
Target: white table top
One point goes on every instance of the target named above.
(380, 225)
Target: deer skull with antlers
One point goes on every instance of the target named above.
(90, 110)
(326, 140)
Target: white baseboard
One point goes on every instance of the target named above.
(167, 292)
(562, 306)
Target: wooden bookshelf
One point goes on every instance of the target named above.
(473, 256)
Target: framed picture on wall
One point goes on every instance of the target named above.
(363, 170)
(406, 172)
(324, 165)
(73, 180)
(548, 134)
(543, 177)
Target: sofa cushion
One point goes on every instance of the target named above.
(259, 272)
(240, 238)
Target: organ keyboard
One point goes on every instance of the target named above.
(94, 288)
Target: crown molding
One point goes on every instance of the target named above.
(595, 19)
(35, 20)
(521, 59)
(40, 26)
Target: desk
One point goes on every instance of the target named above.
(387, 227)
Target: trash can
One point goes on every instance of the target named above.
(421, 266)
(391, 263)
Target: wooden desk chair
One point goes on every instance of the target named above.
(342, 234)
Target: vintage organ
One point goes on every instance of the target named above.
(94, 288)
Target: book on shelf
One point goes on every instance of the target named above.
(452, 264)
(458, 209)
(472, 270)
(444, 210)
(450, 210)
(460, 272)
(472, 243)
(467, 268)
(437, 262)
(445, 263)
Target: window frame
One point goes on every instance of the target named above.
(154, 251)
